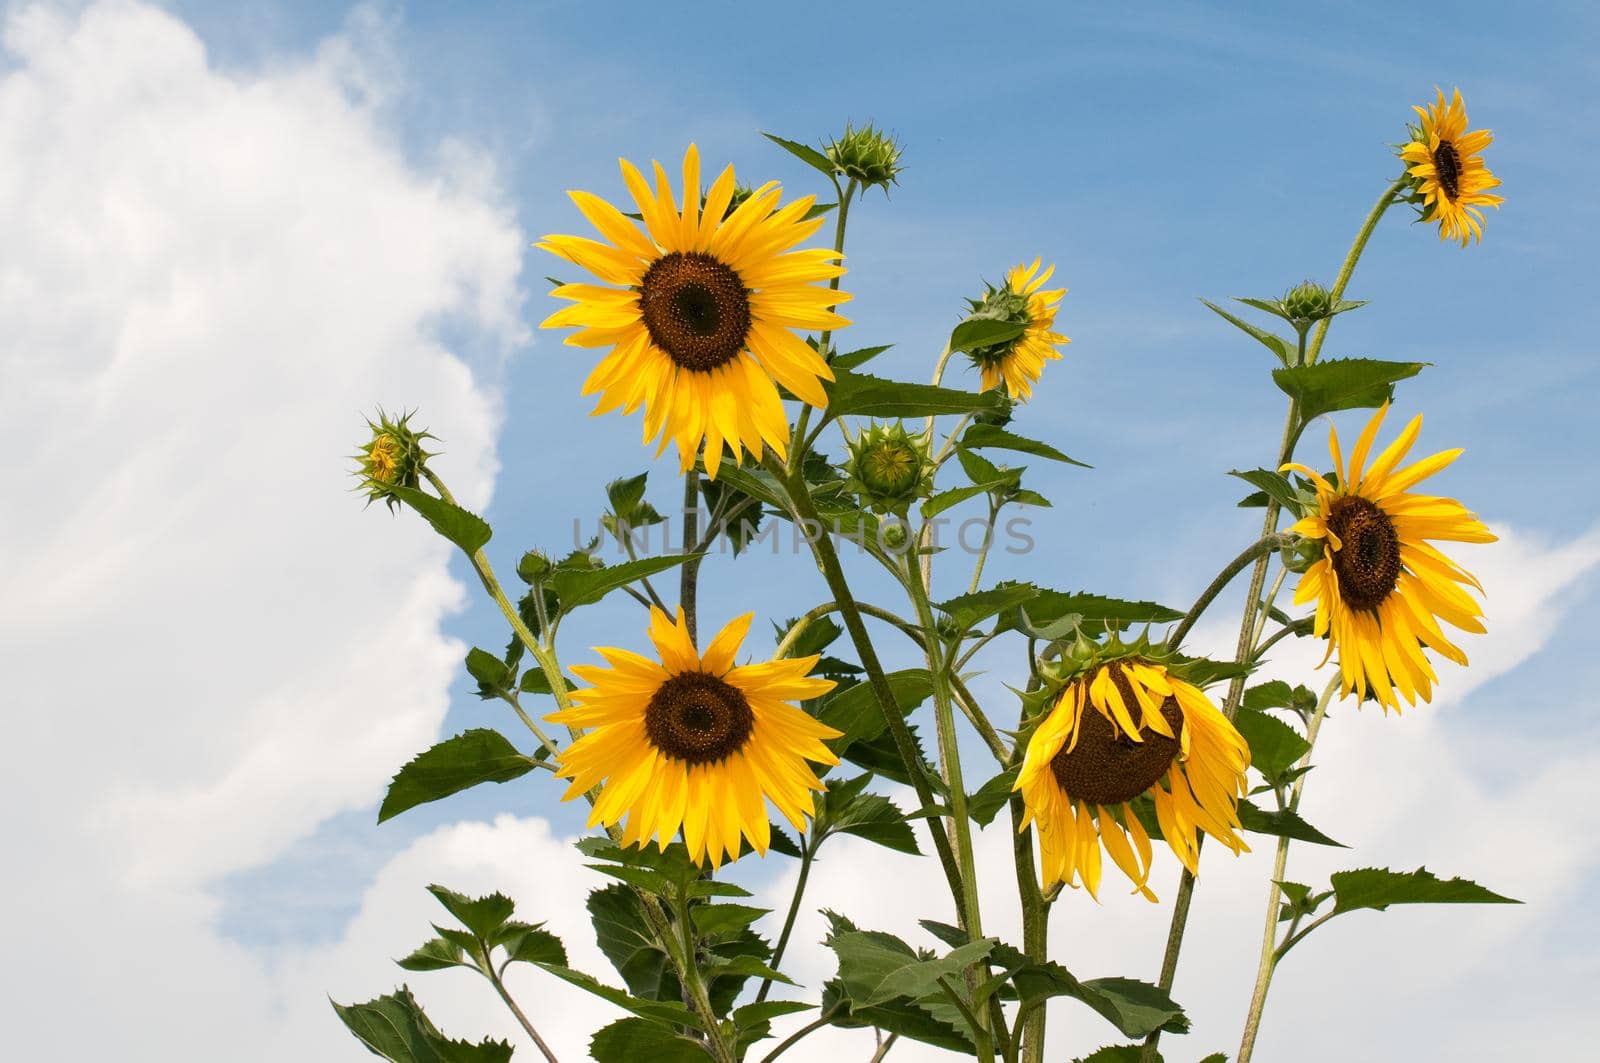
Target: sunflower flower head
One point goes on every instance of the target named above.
(1307, 302)
(1128, 732)
(889, 468)
(698, 310)
(391, 457)
(1019, 301)
(1380, 587)
(866, 154)
(691, 741)
(1449, 180)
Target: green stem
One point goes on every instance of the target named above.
(1270, 952)
(522, 1019)
(689, 580)
(841, 217)
(983, 554)
(805, 512)
(806, 856)
(1259, 549)
(811, 1027)
(1348, 270)
(980, 723)
(1035, 927)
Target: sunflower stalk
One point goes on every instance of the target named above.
(841, 219)
(1271, 951)
(1245, 651)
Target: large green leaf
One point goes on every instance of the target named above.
(846, 808)
(1053, 614)
(395, 1028)
(1342, 384)
(855, 359)
(1275, 485)
(910, 1019)
(875, 967)
(625, 938)
(482, 915)
(975, 333)
(666, 1011)
(1274, 745)
(575, 587)
(856, 712)
(870, 396)
(969, 610)
(472, 757)
(987, 435)
(1378, 888)
(632, 1040)
(467, 530)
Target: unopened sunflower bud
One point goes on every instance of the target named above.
(868, 155)
(1307, 302)
(392, 457)
(889, 468)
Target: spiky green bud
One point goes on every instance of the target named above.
(868, 155)
(392, 457)
(889, 468)
(1308, 302)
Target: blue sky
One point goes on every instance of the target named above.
(1155, 154)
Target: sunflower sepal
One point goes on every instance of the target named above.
(889, 468)
(393, 457)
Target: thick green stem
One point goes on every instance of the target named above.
(1348, 270)
(1035, 926)
(1261, 548)
(1270, 952)
(689, 579)
(841, 218)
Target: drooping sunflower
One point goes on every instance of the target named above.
(1121, 730)
(1445, 167)
(697, 310)
(694, 741)
(1020, 362)
(1380, 588)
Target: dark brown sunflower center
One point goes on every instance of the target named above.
(698, 718)
(1368, 559)
(1447, 164)
(696, 308)
(1106, 767)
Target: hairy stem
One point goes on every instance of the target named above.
(1259, 549)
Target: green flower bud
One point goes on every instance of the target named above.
(1307, 302)
(392, 457)
(889, 468)
(532, 566)
(867, 154)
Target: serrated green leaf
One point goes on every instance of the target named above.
(576, 587)
(1273, 694)
(1342, 384)
(1378, 888)
(986, 802)
(526, 943)
(472, 757)
(395, 1028)
(869, 396)
(481, 915)
(467, 530)
(625, 938)
(805, 153)
(1274, 745)
(855, 711)
(979, 436)
(1275, 485)
(875, 967)
(663, 1011)
(970, 610)
(910, 1019)
(435, 954)
(1094, 614)
(632, 1040)
(954, 497)
(766, 1010)
(857, 358)
(491, 672)
(712, 920)
(870, 816)
(1116, 1054)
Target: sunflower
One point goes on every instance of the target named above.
(1380, 588)
(695, 742)
(1121, 730)
(698, 323)
(1020, 361)
(1446, 168)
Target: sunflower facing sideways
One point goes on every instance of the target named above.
(1445, 168)
(697, 310)
(694, 741)
(1380, 588)
(1118, 731)
(1018, 363)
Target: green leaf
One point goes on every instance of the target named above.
(1092, 613)
(625, 938)
(969, 610)
(631, 1040)
(714, 920)
(855, 710)
(805, 153)
(395, 1028)
(976, 333)
(908, 1018)
(1274, 745)
(1116, 1054)
(764, 1011)
(875, 967)
(1378, 888)
(667, 1011)
(472, 757)
(870, 396)
(988, 435)
(1282, 824)
(987, 801)
(467, 530)
(491, 672)
(1342, 384)
(481, 915)
(954, 497)
(853, 359)
(575, 587)
(1275, 486)
(436, 954)
(526, 943)
(1286, 350)
(845, 808)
